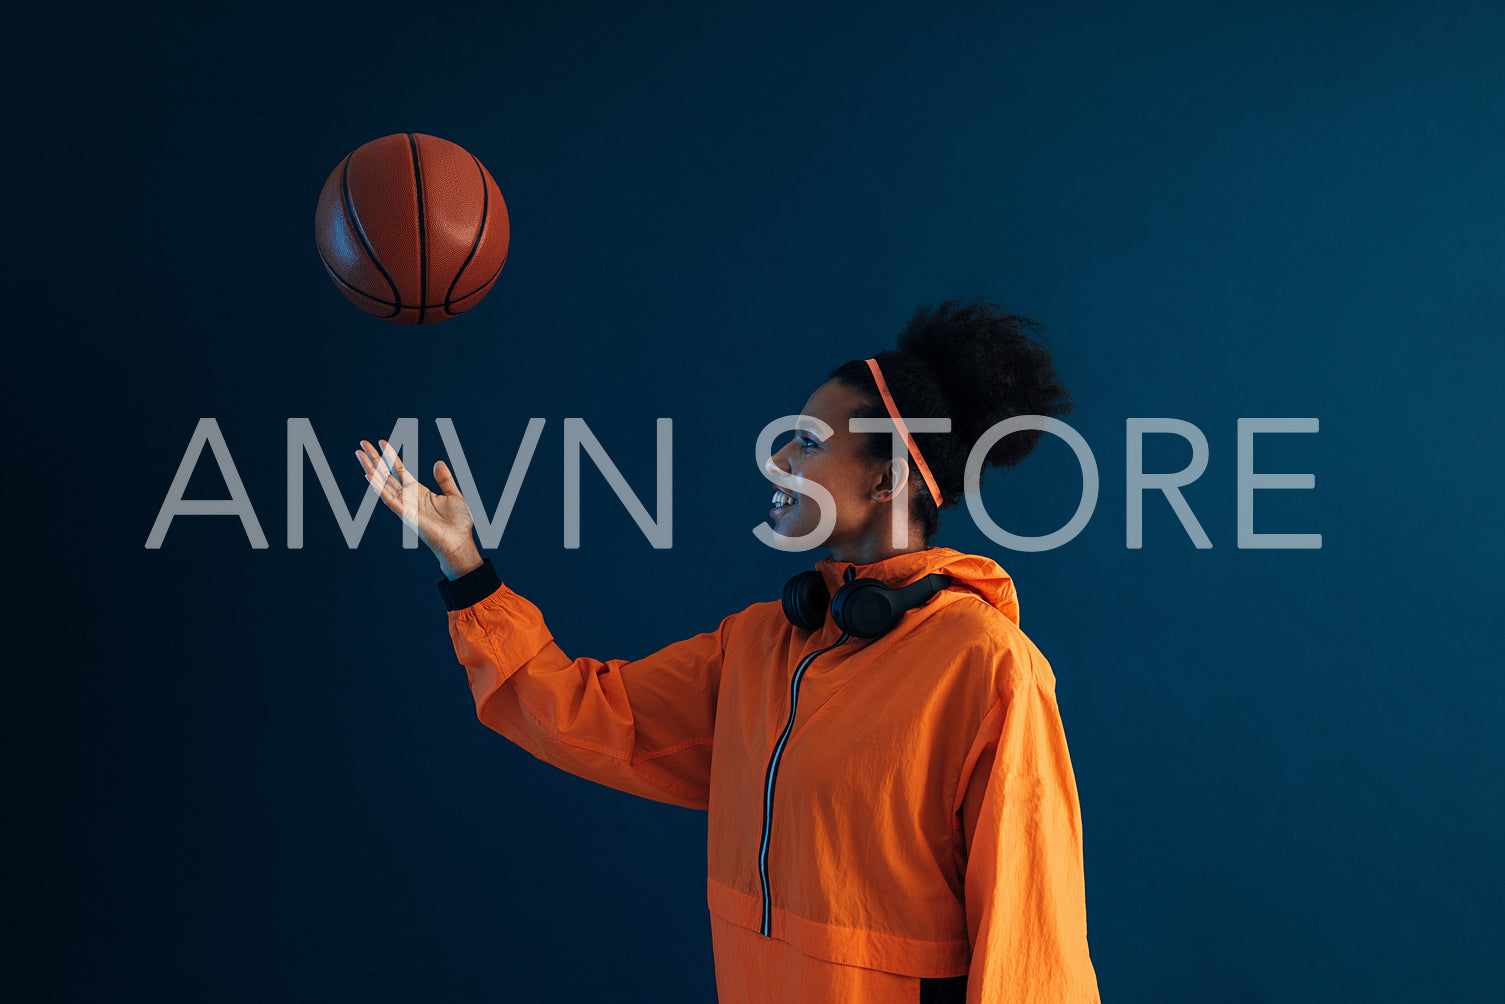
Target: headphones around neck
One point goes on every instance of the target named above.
(862, 608)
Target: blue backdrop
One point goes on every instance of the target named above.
(253, 774)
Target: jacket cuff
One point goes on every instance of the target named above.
(470, 588)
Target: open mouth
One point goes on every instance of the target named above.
(782, 502)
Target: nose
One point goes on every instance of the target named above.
(780, 463)
(780, 469)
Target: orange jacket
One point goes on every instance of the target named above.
(919, 821)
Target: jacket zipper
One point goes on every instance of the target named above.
(773, 768)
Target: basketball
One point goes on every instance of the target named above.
(412, 229)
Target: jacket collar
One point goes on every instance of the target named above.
(972, 572)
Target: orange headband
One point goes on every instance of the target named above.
(893, 412)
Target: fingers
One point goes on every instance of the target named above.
(445, 479)
(379, 477)
(386, 472)
(377, 471)
(395, 462)
(402, 496)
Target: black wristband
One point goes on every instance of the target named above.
(470, 588)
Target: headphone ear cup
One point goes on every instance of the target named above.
(864, 608)
(806, 599)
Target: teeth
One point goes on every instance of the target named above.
(780, 498)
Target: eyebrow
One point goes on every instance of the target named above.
(807, 428)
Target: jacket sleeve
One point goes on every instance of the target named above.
(642, 726)
(1024, 886)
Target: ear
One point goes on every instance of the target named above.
(894, 475)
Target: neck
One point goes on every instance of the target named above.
(874, 549)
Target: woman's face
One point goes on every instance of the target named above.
(859, 485)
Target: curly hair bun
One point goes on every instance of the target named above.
(990, 366)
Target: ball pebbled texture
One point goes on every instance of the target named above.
(412, 228)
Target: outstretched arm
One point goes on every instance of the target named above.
(642, 726)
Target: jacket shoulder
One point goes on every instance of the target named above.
(981, 633)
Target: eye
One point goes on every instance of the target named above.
(805, 442)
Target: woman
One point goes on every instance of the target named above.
(891, 818)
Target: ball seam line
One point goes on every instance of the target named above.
(423, 242)
(360, 232)
(481, 230)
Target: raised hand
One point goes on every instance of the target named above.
(442, 521)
